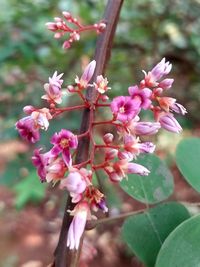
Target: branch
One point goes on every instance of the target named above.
(63, 257)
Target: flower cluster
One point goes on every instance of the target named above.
(116, 154)
(61, 27)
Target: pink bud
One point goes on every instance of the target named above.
(28, 109)
(66, 45)
(89, 71)
(67, 15)
(108, 138)
(51, 26)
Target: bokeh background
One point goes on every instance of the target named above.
(30, 213)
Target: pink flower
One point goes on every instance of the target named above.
(86, 76)
(27, 129)
(121, 168)
(40, 161)
(63, 142)
(133, 145)
(160, 70)
(77, 181)
(141, 95)
(41, 118)
(55, 170)
(169, 123)
(81, 212)
(101, 84)
(124, 108)
(53, 89)
(166, 102)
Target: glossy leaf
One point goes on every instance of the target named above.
(187, 159)
(146, 232)
(182, 246)
(155, 187)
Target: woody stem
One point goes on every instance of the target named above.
(63, 257)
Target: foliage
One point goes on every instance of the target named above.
(187, 158)
(181, 248)
(149, 230)
(155, 187)
(148, 31)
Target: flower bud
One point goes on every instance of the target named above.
(67, 15)
(178, 108)
(169, 123)
(108, 138)
(137, 169)
(111, 153)
(166, 83)
(125, 155)
(28, 109)
(146, 128)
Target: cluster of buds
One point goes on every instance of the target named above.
(61, 27)
(115, 155)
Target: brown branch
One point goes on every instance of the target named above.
(102, 54)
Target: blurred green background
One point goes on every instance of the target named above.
(148, 31)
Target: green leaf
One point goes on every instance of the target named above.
(187, 159)
(182, 246)
(155, 187)
(29, 190)
(146, 232)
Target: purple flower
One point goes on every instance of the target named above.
(141, 95)
(53, 89)
(40, 161)
(124, 108)
(169, 123)
(63, 142)
(28, 130)
(160, 70)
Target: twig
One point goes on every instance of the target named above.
(92, 224)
